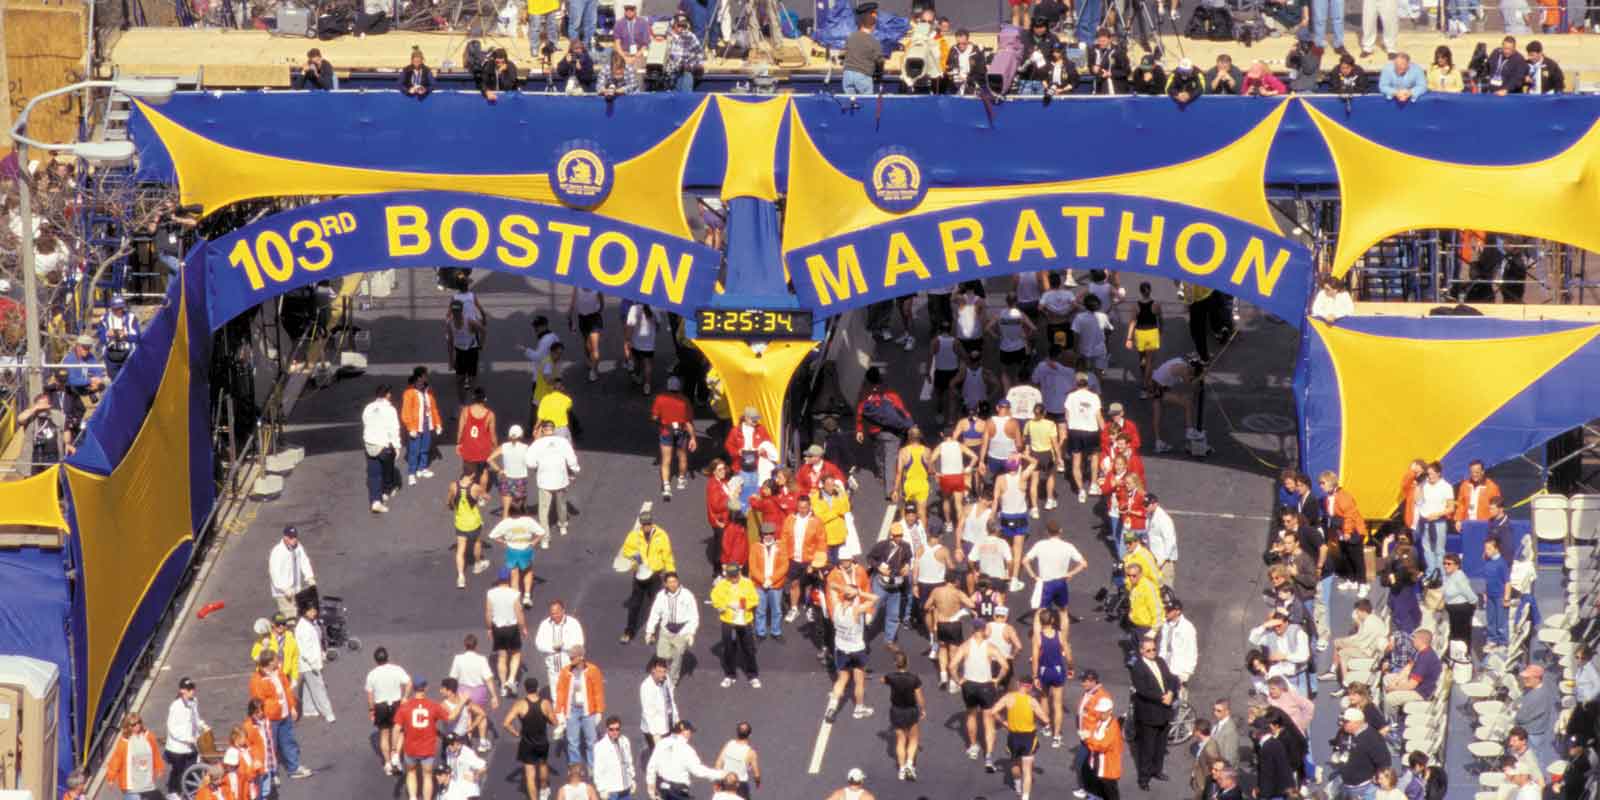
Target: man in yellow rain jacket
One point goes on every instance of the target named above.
(735, 599)
(649, 551)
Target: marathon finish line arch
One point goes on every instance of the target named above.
(1137, 183)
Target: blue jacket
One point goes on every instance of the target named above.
(1415, 81)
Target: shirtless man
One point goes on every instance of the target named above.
(946, 606)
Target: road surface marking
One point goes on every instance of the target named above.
(1218, 515)
(888, 519)
(822, 745)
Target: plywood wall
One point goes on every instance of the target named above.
(44, 47)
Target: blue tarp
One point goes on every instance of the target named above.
(33, 622)
(838, 21)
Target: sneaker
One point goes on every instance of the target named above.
(683, 482)
(1034, 512)
(461, 582)
(527, 602)
(911, 772)
(755, 683)
(1094, 490)
(1079, 793)
(1083, 496)
(387, 495)
(379, 508)
(1016, 585)
(625, 638)
(1330, 675)
(594, 374)
(933, 652)
(1163, 447)
(900, 775)
(302, 772)
(1055, 741)
(831, 714)
(484, 746)
(411, 480)
(988, 764)
(972, 753)
(426, 473)
(562, 529)
(726, 682)
(1049, 504)
(544, 544)
(862, 712)
(481, 566)
(1322, 646)
(388, 769)
(909, 343)
(666, 493)
(791, 614)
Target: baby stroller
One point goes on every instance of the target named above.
(333, 617)
(1007, 58)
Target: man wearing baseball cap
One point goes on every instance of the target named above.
(84, 375)
(1369, 753)
(674, 421)
(855, 780)
(184, 727)
(289, 569)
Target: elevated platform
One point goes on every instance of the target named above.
(1527, 312)
(234, 58)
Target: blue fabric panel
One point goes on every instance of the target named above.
(202, 486)
(1561, 399)
(755, 266)
(34, 619)
(1316, 396)
(112, 427)
(1454, 127)
(1298, 156)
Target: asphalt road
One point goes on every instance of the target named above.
(394, 571)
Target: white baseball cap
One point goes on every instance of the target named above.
(855, 775)
(515, 432)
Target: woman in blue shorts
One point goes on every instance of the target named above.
(1052, 660)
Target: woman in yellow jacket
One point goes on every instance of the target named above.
(1442, 73)
(830, 503)
(279, 639)
(649, 550)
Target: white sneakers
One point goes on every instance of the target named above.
(755, 683)
(1094, 490)
(1163, 447)
(726, 682)
(562, 528)
(461, 582)
(1034, 512)
(862, 712)
(1016, 585)
(1083, 497)
(791, 614)
(1049, 503)
(426, 473)
(683, 482)
(379, 508)
(480, 566)
(411, 480)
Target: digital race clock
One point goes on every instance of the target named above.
(725, 323)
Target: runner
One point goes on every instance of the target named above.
(1003, 636)
(1058, 304)
(1014, 330)
(1174, 383)
(741, 760)
(1044, 447)
(943, 365)
(970, 432)
(976, 657)
(907, 709)
(586, 318)
(674, 433)
(1012, 501)
(639, 346)
(510, 462)
(911, 472)
(947, 605)
(474, 674)
(520, 533)
(1144, 336)
(464, 337)
(1052, 666)
(529, 719)
(952, 461)
(475, 439)
(1002, 439)
(1089, 329)
(465, 495)
(416, 727)
(851, 613)
(933, 561)
(977, 525)
(1083, 435)
(502, 615)
(854, 787)
(974, 384)
(387, 685)
(1053, 562)
(465, 715)
(1021, 711)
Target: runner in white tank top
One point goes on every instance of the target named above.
(946, 356)
(949, 458)
(976, 667)
(1001, 445)
(968, 326)
(463, 338)
(1010, 326)
(973, 389)
(1013, 500)
(735, 759)
(930, 570)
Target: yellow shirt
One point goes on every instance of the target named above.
(735, 600)
(1146, 561)
(1144, 604)
(555, 407)
(658, 555)
(1019, 716)
(537, 7)
(288, 657)
(831, 511)
(1040, 433)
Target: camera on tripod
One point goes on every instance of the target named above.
(921, 66)
(655, 56)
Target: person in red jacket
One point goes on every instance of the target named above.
(885, 441)
(814, 470)
(1118, 425)
(748, 435)
(718, 501)
(736, 541)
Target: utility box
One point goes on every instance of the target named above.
(28, 725)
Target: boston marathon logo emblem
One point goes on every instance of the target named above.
(582, 178)
(896, 184)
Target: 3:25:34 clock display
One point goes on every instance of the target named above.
(753, 323)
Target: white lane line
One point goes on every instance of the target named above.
(1218, 515)
(888, 519)
(822, 745)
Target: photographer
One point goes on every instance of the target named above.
(685, 56)
(1108, 63)
(1149, 79)
(576, 70)
(1260, 82)
(416, 80)
(1224, 78)
(1038, 45)
(1346, 79)
(1187, 83)
(1304, 62)
(1062, 77)
(316, 74)
(498, 75)
(965, 65)
(620, 78)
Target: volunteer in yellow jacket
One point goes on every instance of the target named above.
(1144, 605)
(735, 599)
(649, 551)
(279, 639)
(831, 503)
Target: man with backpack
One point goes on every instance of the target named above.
(881, 415)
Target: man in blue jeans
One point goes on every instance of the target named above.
(862, 53)
(581, 20)
(1327, 22)
(889, 561)
(1496, 580)
(685, 55)
(1434, 506)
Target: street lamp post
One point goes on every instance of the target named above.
(152, 90)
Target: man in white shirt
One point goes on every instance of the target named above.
(552, 462)
(639, 348)
(1434, 500)
(184, 727)
(674, 764)
(387, 684)
(308, 635)
(674, 619)
(380, 434)
(466, 770)
(289, 569)
(1287, 648)
(1369, 641)
(1083, 435)
(658, 705)
(510, 459)
(1052, 562)
(1163, 541)
(1179, 645)
(613, 763)
(557, 635)
(502, 615)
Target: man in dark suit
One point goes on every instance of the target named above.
(1108, 64)
(1207, 754)
(1274, 772)
(1155, 694)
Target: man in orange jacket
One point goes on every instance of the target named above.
(272, 688)
(769, 569)
(802, 539)
(1474, 494)
(419, 417)
(580, 702)
(1101, 734)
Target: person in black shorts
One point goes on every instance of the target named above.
(1020, 711)
(906, 710)
(975, 659)
(464, 337)
(533, 716)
